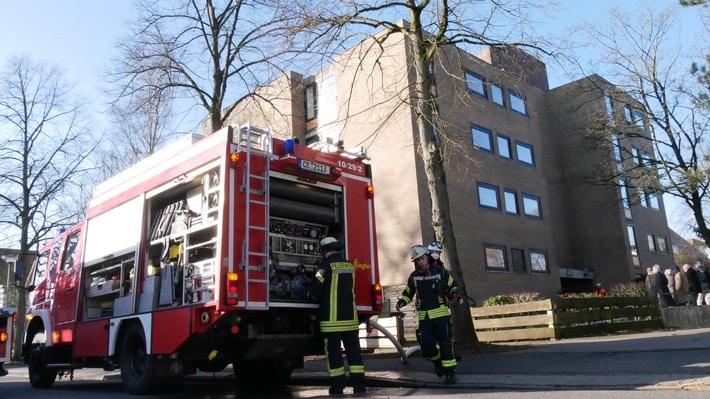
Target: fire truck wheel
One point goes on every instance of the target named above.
(40, 375)
(137, 366)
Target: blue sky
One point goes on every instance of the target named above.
(79, 36)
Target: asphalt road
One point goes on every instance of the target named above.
(673, 364)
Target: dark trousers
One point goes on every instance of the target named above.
(438, 331)
(336, 368)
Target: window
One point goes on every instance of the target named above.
(636, 156)
(497, 95)
(55, 256)
(488, 196)
(649, 199)
(435, 128)
(476, 84)
(41, 268)
(312, 138)
(632, 239)
(653, 200)
(504, 149)
(661, 245)
(609, 107)
(517, 103)
(525, 153)
(495, 257)
(482, 138)
(624, 193)
(70, 251)
(531, 206)
(518, 258)
(651, 242)
(627, 114)
(311, 102)
(640, 121)
(646, 160)
(616, 147)
(538, 261)
(511, 201)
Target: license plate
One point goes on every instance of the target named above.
(315, 167)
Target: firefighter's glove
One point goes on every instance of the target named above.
(456, 297)
(400, 304)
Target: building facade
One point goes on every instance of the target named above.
(520, 160)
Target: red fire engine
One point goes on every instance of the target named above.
(7, 321)
(198, 257)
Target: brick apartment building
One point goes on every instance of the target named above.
(515, 152)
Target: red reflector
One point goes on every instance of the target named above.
(235, 330)
(377, 297)
(232, 290)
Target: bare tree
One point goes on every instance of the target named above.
(142, 126)
(212, 52)
(642, 60)
(430, 28)
(42, 156)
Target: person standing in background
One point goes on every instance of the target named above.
(694, 285)
(681, 295)
(704, 283)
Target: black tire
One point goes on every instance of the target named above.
(137, 366)
(40, 376)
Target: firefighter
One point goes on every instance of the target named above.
(333, 286)
(435, 253)
(434, 287)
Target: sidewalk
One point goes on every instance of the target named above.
(670, 360)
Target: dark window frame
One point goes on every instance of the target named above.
(544, 255)
(478, 79)
(527, 146)
(494, 189)
(503, 251)
(488, 132)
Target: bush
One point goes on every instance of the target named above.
(635, 289)
(520, 297)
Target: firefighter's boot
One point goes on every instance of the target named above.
(337, 384)
(358, 381)
(438, 369)
(450, 377)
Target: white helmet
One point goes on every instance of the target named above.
(330, 244)
(435, 249)
(434, 246)
(417, 251)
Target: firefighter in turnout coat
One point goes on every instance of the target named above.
(337, 315)
(434, 287)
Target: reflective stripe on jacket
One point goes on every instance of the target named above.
(334, 286)
(431, 288)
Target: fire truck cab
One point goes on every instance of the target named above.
(7, 324)
(198, 257)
